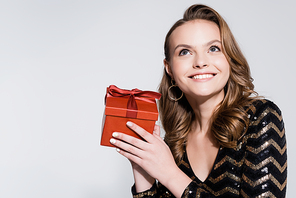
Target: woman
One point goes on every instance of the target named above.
(221, 140)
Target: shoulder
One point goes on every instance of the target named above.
(259, 108)
(265, 117)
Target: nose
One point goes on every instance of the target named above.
(201, 65)
(200, 61)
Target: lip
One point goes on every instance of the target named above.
(203, 76)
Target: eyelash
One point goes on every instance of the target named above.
(214, 46)
(183, 50)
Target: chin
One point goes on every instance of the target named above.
(210, 94)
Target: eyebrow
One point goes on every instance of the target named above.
(190, 47)
(183, 45)
(211, 42)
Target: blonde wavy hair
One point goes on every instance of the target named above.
(230, 120)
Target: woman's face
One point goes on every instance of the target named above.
(197, 63)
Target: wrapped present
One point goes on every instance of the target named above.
(123, 105)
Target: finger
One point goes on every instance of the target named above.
(130, 140)
(126, 147)
(133, 158)
(140, 131)
(156, 130)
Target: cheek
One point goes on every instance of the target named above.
(182, 65)
(223, 65)
(177, 69)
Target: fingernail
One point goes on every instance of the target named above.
(130, 124)
(115, 134)
(112, 141)
(117, 149)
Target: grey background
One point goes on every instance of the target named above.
(57, 58)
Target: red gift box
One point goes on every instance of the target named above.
(133, 105)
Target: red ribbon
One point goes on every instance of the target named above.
(148, 96)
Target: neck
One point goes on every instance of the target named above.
(204, 108)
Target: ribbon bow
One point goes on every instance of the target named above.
(148, 96)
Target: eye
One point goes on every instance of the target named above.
(214, 49)
(184, 52)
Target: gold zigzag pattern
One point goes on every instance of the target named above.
(266, 128)
(264, 113)
(143, 194)
(183, 163)
(265, 145)
(264, 179)
(229, 159)
(222, 176)
(253, 108)
(265, 194)
(263, 131)
(251, 165)
(266, 161)
(220, 192)
(271, 125)
(246, 137)
(199, 190)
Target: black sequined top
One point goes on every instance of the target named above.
(256, 168)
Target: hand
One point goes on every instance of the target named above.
(153, 156)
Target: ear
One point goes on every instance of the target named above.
(168, 68)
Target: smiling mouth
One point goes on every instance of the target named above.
(202, 76)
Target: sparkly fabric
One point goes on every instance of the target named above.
(256, 168)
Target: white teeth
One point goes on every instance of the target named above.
(202, 76)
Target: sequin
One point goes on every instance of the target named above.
(265, 162)
(264, 123)
(239, 146)
(229, 159)
(225, 175)
(266, 112)
(265, 153)
(221, 192)
(264, 170)
(264, 186)
(265, 145)
(143, 194)
(266, 194)
(271, 126)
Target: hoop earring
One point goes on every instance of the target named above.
(171, 95)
